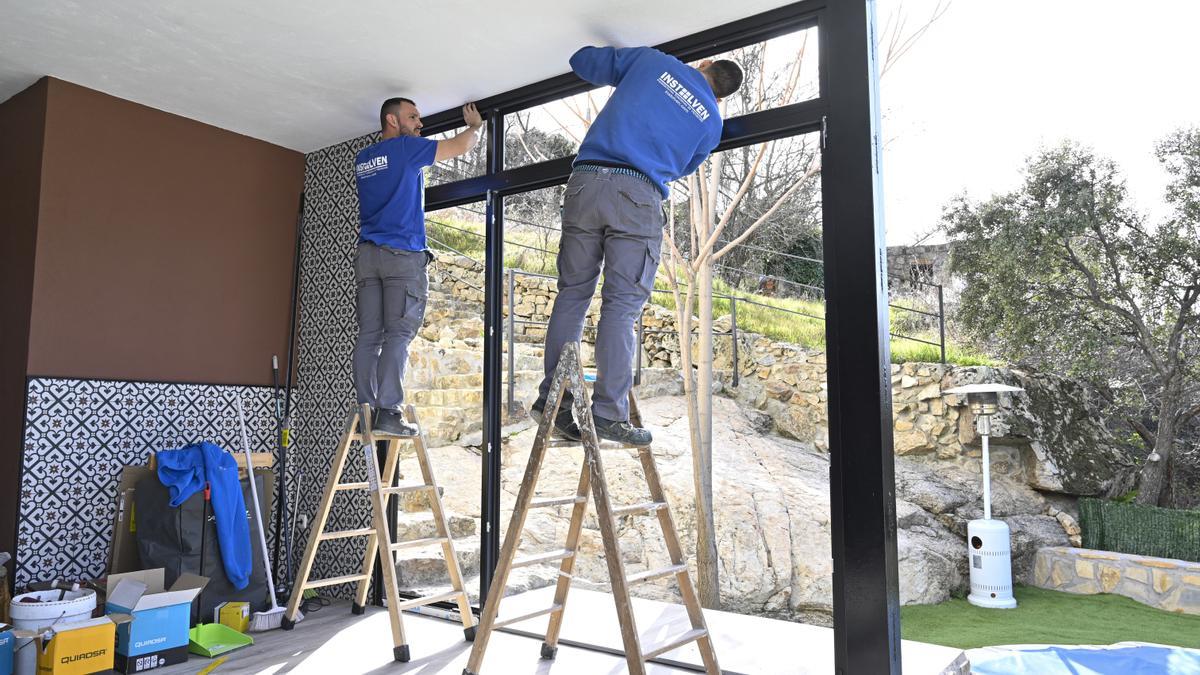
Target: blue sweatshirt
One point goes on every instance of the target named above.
(391, 191)
(662, 118)
(185, 471)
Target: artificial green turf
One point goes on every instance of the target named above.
(1048, 617)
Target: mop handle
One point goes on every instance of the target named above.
(262, 537)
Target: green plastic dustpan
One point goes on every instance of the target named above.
(214, 639)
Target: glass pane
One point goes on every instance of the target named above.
(470, 165)
(778, 72)
(769, 412)
(531, 237)
(444, 381)
(771, 562)
(551, 130)
(772, 238)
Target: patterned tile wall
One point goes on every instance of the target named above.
(327, 329)
(78, 436)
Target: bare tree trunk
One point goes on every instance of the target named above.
(1154, 474)
(706, 542)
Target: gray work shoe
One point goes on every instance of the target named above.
(621, 432)
(564, 422)
(391, 423)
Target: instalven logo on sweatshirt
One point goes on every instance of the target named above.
(682, 96)
(371, 166)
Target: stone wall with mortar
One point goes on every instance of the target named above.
(1173, 585)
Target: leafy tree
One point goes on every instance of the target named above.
(1065, 275)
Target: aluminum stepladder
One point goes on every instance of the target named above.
(568, 376)
(358, 428)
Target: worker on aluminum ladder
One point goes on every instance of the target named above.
(389, 268)
(659, 124)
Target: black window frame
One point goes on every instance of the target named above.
(846, 114)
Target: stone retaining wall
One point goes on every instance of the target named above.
(1173, 585)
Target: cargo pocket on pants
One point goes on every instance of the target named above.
(414, 311)
(650, 266)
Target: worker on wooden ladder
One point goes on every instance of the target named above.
(659, 124)
(389, 268)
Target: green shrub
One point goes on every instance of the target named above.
(1125, 527)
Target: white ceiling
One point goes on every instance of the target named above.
(308, 73)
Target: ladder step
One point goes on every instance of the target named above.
(548, 556)
(333, 581)
(352, 486)
(556, 607)
(346, 534)
(413, 543)
(379, 436)
(690, 636)
(416, 487)
(650, 575)
(648, 507)
(428, 600)
(604, 445)
(557, 501)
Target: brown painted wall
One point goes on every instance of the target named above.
(164, 246)
(21, 127)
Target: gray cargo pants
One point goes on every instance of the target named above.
(392, 290)
(615, 221)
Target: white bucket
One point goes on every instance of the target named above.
(74, 606)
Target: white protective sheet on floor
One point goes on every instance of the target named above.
(1123, 658)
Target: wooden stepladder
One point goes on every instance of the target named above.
(358, 428)
(568, 376)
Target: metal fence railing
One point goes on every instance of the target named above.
(734, 300)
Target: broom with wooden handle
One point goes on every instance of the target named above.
(273, 617)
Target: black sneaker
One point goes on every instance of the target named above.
(391, 423)
(621, 432)
(564, 422)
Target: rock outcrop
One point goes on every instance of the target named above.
(773, 521)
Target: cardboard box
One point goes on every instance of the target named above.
(235, 615)
(6, 649)
(158, 634)
(123, 554)
(75, 648)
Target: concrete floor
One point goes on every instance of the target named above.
(334, 641)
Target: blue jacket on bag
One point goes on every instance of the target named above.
(185, 471)
(662, 118)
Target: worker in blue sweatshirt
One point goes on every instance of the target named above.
(389, 268)
(659, 124)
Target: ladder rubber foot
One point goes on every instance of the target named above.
(549, 652)
(469, 633)
(401, 653)
(287, 624)
(356, 608)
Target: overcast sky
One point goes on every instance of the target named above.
(992, 81)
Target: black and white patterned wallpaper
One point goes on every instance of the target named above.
(327, 330)
(78, 436)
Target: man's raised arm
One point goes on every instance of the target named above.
(465, 141)
(604, 65)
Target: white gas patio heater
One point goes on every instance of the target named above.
(988, 541)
